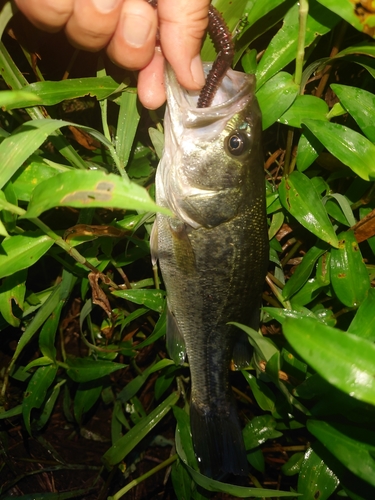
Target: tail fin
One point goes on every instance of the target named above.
(218, 442)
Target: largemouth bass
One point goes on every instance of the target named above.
(213, 253)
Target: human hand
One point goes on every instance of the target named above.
(127, 28)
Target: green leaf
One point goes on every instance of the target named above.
(354, 447)
(31, 174)
(45, 310)
(88, 369)
(131, 389)
(11, 99)
(22, 251)
(360, 104)
(303, 270)
(347, 10)
(275, 97)
(305, 106)
(48, 93)
(299, 196)
(48, 333)
(363, 323)
(153, 299)
(350, 147)
(124, 445)
(349, 276)
(127, 125)
(344, 360)
(12, 292)
(308, 150)
(48, 407)
(86, 396)
(293, 465)
(259, 430)
(316, 480)
(283, 47)
(262, 345)
(36, 391)
(262, 393)
(22, 143)
(89, 189)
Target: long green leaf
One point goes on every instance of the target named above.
(88, 189)
(344, 360)
(299, 196)
(316, 480)
(353, 446)
(124, 445)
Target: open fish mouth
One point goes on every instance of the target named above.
(234, 88)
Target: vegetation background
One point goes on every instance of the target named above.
(90, 398)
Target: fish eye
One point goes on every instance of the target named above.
(237, 143)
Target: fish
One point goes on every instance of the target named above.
(212, 252)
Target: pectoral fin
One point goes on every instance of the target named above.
(175, 340)
(154, 243)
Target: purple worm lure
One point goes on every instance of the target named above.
(223, 43)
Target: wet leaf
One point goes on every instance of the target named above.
(275, 97)
(350, 147)
(124, 445)
(344, 360)
(88, 189)
(88, 369)
(316, 480)
(308, 150)
(360, 104)
(349, 276)
(153, 299)
(305, 106)
(293, 465)
(36, 391)
(299, 196)
(363, 323)
(259, 430)
(353, 446)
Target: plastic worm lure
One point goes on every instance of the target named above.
(223, 43)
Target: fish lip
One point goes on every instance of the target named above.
(243, 88)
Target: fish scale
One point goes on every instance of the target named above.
(213, 253)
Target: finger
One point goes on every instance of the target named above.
(133, 43)
(182, 27)
(93, 22)
(151, 89)
(48, 15)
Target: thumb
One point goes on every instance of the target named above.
(182, 27)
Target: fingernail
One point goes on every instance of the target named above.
(196, 69)
(105, 5)
(136, 30)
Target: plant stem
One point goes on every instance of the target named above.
(303, 12)
(148, 474)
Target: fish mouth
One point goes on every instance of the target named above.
(232, 95)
